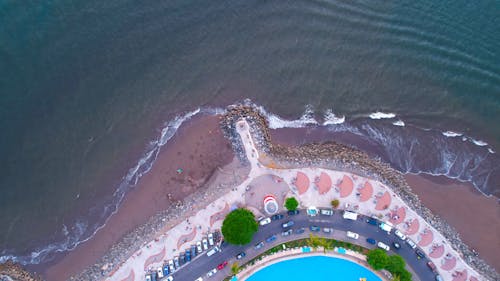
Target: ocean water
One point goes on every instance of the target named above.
(90, 91)
(325, 269)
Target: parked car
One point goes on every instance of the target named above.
(287, 224)
(222, 265)
(265, 221)
(439, 278)
(293, 213)
(193, 251)
(166, 270)
(396, 245)
(170, 278)
(259, 245)
(314, 228)
(327, 230)
(352, 235)
(176, 262)
(420, 254)
(171, 266)
(211, 239)
(383, 246)
(432, 266)
(372, 221)
(212, 272)
(371, 241)
(410, 242)
(199, 248)
(159, 272)
(271, 238)
(148, 277)
(240, 255)
(326, 212)
(400, 235)
(277, 217)
(154, 277)
(213, 251)
(199, 279)
(204, 242)
(286, 233)
(188, 255)
(299, 230)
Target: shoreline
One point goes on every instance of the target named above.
(60, 267)
(198, 148)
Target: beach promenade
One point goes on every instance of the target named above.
(312, 187)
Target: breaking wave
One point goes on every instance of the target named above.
(381, 115)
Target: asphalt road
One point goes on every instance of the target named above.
(199, 266)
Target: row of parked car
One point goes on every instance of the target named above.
(163, 272)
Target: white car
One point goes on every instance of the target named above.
(199, 279)
(210, 239)
(265, 221)
(160, 272)
(400, 235)
(205, 244)
(170, 278)
(410, 242)
(326, 212)
(383, 246)
(198, 247)
(352, 235)
(212, 272)
(171, 265)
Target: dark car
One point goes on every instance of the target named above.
(277, 217)
(154, 276)
(188, 255)
(315, 228)
(271, 238)
(166, 270)
(299, 231)
(240, 255)
(396, 245)
(293, 213)
(372, 221)
(371, 241)
(420, 254)
(431, 266)
(182, 258)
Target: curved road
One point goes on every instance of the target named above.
(199, 266)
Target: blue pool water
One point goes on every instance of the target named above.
(315, 268)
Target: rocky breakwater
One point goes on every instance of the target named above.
(336, 156)
(10, 271)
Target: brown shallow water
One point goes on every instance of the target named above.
(475, 216)
(198, 148)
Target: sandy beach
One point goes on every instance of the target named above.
(198, 149)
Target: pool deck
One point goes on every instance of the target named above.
(311, 187)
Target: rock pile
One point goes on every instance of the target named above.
(10, 271)
(337, 156)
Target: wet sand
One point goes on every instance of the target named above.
(475, 216)
(198, 149)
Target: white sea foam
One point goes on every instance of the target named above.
(331, 119)
(451, 134)
(491, 150)
(399, 123)
(382, 115)
(276, 122)
(479, 142)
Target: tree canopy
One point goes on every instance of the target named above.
(377, 258)
(335, 203)
(291, 204)
(239, 226)
(395, 264)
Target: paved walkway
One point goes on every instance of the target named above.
(310, 187)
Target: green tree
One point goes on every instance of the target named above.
(291, 204)
(239, 226)
(396, 264)
(335, 203)
(235, 268)
(377, 259)
(404, 275)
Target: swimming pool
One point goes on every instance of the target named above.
(314, 268)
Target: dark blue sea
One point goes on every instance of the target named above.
(90, 90)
